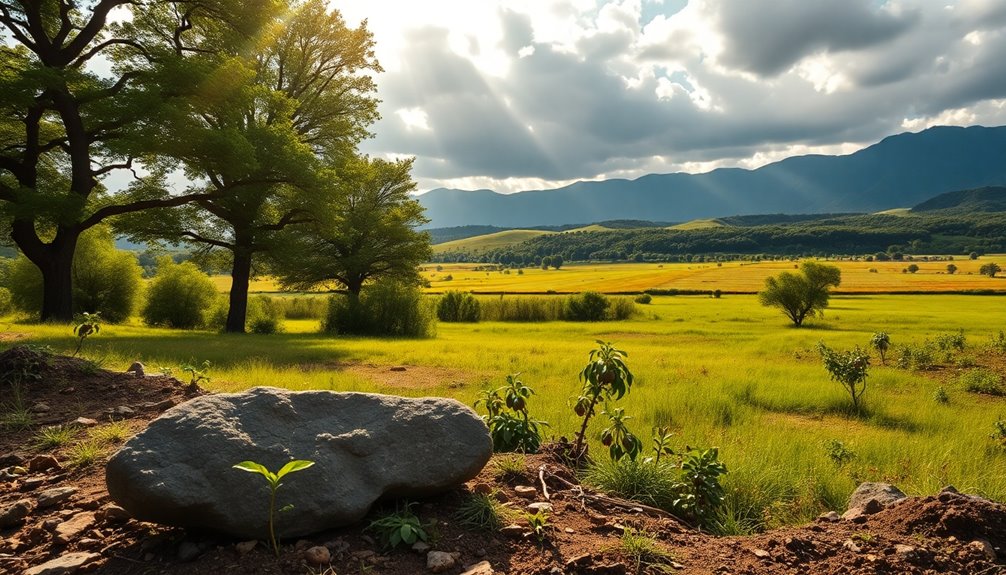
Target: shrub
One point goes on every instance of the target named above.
(621, 308)
(384, 308)
(848, 368)
(264, 315)
(104, 279)
(917, 357)
(983, 381)
(587, 306)
(881, 342)
(521, 308)
(510, 425)
(179, 296)
(651, 483)
(455, 306)
(643, 298)
(6, 301)
(951, 342)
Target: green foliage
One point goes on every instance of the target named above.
(949, 343)
(85, 453)
(951, 269)
(111, 433)
(482, 511)
(104, 279)
(661, 444)
(998, 434)
(848, 368)
(273, 479)
(644, 551)
(399, 527)
(179, 296)
(197, 373)
(539, 524)
(605, 377)
(881, 342)
(651, 483)
(643, 298)
(617, 437)
(700, 494)
(940, 395)
(87, 326)
(983, 381)
(838, 453)
(990, 269)
(384, 308)
(799, 296)
(455, 306)
(912, 268)
(919, 357)
(510, 426)
(6, 301)
(510, 466)
(54, 436)
(587, 306)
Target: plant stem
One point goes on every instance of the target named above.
(272, 511)
(583, 428)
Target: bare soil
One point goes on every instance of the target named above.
(946, 533)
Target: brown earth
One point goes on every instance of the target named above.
(948, 533)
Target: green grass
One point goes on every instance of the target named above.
(719, 372)
(489, 242)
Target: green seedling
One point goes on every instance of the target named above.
(274, 485)
(399, 527)
(88, 326)
(197, 374)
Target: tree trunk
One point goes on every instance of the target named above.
(55, 261)
(240, 278)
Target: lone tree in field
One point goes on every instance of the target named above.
(990, 269)
(801, 295)
(881, 342)
(848, 368)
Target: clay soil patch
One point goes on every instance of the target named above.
(948, 533)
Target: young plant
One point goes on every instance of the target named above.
(509, 466)
(197, 374)
(838, 452)
(274, 484)
(606, 376)
(88, 326)
(510, 426)
(848, 368)
(617, 438)
(701, 494)
(881, 342)
(538, 522)
(644, 551)
(54, 436)
(399, 527)
(661, 444)
(482, 511)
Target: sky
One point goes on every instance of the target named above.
(533, 94)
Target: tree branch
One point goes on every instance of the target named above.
(117, 210)
(83, 58)
(205, 240)
(288, 219)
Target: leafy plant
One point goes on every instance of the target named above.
(605, 377)
(399, 527)
(482, 511)
(998, 434)
(652, 483)
(197, 373)
(661, 443)
(274, 484)
(455, 306)
(983, 381)
(701, 493)
(838, 452)
(539, 524)
(940, 395)
(881, 342)
(89, 325)
(510, 426)
(848, 368)
(918, 357)
(617, 438)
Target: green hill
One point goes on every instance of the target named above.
(978, 200)
(489, 242)
(698, 225)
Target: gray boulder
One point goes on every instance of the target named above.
(179, 471)
(870, 498)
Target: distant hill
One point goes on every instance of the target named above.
(988, 199)
(488, 242)
(901, 170)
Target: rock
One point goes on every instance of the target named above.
(513, 530)
(64, 565)
(884, 493)
(112, 513)
(540, 506)
(365, 446)
(829, 517)
(317, 556)
(188, 551)
(55, 496)
(904, 550)
(245, 547)
(33, 483)
(440, 561)
(41, 408)
(851, 546)
(11, 459)
(525, 491)
(858, 514)
(984, 548)
(85, 422)
(136, 369)
(761, 554)
(480, 568)
(42, 463)
(398, 368)
(122, 411)
(68, 530)
(14, 513)
(420, 547)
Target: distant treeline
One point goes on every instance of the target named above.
(843, 234)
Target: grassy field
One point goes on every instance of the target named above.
(724, 372)
(488, 242)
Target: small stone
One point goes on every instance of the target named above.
(33, 483)
(41, 407)
(513, 530)
(188, 551)
(42, 463)
(318, 556)
(905, 550)
(14, 513)
(580, 561)
(482, 488)
(245, 547)
(480, 568)
(68, 390)
(136, 369)
(569, 530)
(112, 513)
(829, 517)
(338, 546)
(761, 554)
(950, 489)
(851, 546)
(68, 530)
(480, 552)
(440, 561)
(64, 565)
(983, 547)
(525, 491)
(398, 368)
(123, 411)
(85, 422)
(55, 496)
(540, 506)
(420, 547)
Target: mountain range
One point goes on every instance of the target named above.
(899, 171)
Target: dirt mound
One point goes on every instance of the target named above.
(54, 509)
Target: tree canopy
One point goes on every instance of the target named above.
(801, 295)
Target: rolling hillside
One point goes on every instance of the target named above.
(489, 242)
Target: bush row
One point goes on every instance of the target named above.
(456, 306)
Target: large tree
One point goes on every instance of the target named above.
(68, 119)
(295, 101)
(803, 294)
(369, 232)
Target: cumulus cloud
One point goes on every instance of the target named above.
(522, 94)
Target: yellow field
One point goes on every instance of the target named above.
(698, 225)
